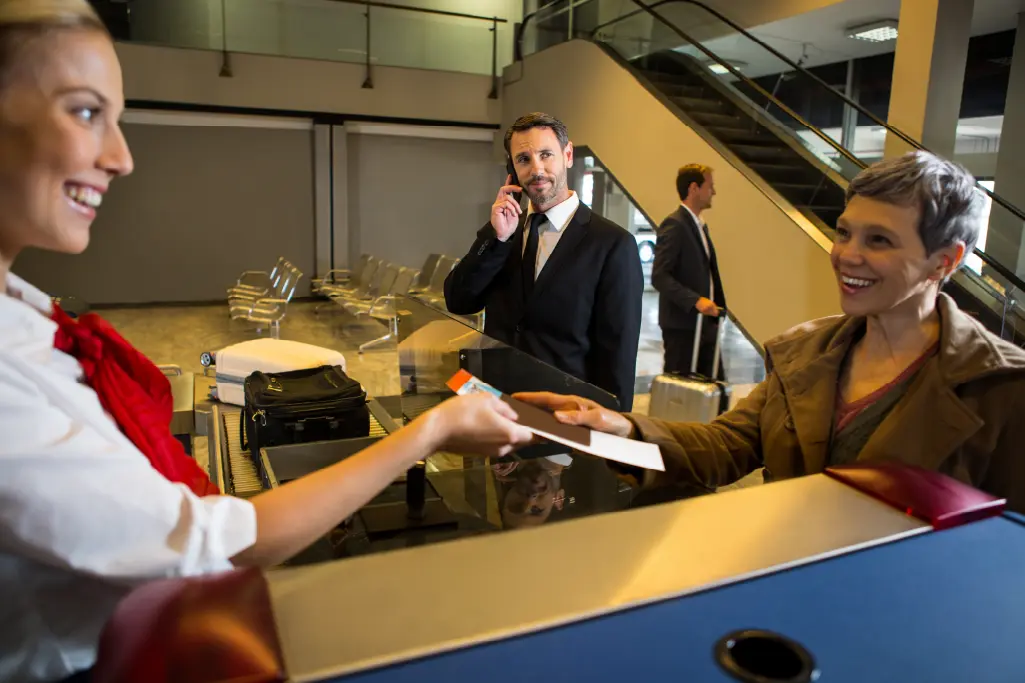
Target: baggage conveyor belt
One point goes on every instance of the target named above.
(232, 467)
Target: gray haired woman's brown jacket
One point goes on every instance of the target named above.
(963, 414)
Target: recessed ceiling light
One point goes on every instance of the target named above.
(877, 32)
(720, 69)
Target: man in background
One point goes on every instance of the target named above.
(558, 281)
(686, 275)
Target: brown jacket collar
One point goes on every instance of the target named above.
(808, 358)
(967, 350)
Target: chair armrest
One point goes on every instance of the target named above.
(251, 273)
(381, 301)
(247, 292)
(269, 302)
(333, 275)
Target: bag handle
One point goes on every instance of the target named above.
(720, 333)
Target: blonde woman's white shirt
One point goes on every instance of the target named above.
(83, 516)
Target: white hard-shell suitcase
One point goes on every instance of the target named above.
(236, 362)
(691, 398)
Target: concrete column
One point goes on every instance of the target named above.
(1004, 240)
(575, 175)
(850, 115)
(322, 199)
(599, 191)
(530, 36)
(345, 225)
(617, 206)
(928, 73)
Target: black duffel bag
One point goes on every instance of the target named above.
(319, 404)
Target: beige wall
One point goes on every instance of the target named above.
(702, 26)
(775, 274)
(204, 204)
(412, 196)
(213, 195)
(750, 13)
(191, 76)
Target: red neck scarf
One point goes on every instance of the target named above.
(133, 391)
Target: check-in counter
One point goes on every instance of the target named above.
(865, 573)
(545, 564)
(448, 496)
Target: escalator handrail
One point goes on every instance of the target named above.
(1014, 210)
(797, 67)
(1008, 274)
(1013, 279)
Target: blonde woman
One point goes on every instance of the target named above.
(86, 508)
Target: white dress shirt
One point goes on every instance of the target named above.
(550, 231)
(708, 252)
(83, 515)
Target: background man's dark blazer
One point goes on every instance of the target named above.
(584, 315)
(680, 272)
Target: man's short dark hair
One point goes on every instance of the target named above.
(944, 192)
(538, 120)
(691, 173)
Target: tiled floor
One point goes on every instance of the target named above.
(180, 334)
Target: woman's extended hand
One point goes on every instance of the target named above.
(477, 424)
(574, 410)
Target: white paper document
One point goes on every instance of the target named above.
(544, 424)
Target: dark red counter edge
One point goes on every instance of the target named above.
(932, 497)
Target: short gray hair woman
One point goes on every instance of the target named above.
(903, 375)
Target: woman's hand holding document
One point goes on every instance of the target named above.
(576, 422)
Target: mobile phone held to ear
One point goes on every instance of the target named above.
(511, 170)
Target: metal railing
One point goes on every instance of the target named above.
(1012, 278)
(494, 21)
(348, 43)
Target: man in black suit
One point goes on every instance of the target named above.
(686, 275)
(558, 281)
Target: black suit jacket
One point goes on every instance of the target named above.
(584, 315)
(680, 272)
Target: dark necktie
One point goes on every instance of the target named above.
(530, 253)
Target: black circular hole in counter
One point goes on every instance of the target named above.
(756, 656)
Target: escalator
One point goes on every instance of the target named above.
(666, 47)
(734, 121)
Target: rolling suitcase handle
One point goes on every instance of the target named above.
(718, 345)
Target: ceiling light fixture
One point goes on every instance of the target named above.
(720, 69)
(877, 32)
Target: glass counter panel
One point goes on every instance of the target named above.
(541, 484)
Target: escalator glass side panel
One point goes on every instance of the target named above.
(747, 125)
(1003, 241)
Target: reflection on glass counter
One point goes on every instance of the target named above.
(452, 496)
